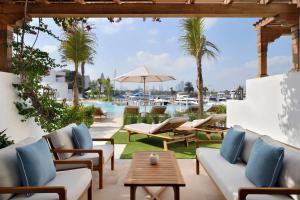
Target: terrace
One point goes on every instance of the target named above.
(275, 113)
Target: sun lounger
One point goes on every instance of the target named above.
(206, 125)
(158, 110)
(99, 113)
(154, 130)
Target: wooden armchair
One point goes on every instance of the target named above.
(102, 157)
(59, 190)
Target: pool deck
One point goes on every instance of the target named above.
(106, 128)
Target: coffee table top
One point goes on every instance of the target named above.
(165, 173)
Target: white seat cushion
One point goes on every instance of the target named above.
(229, 177)
(108, 150)
(75, 182)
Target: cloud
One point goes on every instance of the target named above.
(164, 63)
(275, 63)
(228, 77)
(210, 22)
(49, 48)
(107, 27)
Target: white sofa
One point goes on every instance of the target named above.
(231, 179)
(62, 187)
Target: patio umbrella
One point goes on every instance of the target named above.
(143, 75)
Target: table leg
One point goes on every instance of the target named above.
(176, 193)
(132, 192)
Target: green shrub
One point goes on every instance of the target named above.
(218, 109)
(79, 114)
(129, 118)
(4, 140)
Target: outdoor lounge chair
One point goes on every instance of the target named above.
(158, 110)
(99, 114)
(62, 187)
(206, 125)
(154, 130)
(63, 148)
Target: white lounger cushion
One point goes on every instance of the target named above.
(140, 128)
(152, 128)
(229, 177)
(108, 150)
(75, 182)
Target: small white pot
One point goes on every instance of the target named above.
(153, 158)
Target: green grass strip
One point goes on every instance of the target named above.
(143, 143)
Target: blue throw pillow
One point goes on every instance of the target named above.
(35, 164)
(265, 164)
(232, 145)
(81, 137)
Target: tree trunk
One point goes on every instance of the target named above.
(75, 87)
(82, 79)
(200, 86)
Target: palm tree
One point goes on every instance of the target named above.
(195, 43)
(78, 46)
(108, 89)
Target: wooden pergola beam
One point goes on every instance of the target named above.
(265, 1)
(43, 1)
(79, 1)
(150, 10)
(264, 22)
(228, 1)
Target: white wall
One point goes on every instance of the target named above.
(271, 107)
(62, 91)
(9, 117)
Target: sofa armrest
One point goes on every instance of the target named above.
(199, 142)
(72, 164)
(111, 140)
(61, 191)
(243, 192)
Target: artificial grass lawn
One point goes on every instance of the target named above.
(143, 143)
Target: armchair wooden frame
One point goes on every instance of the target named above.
(244, 192)
(59, 190)
(99, 167)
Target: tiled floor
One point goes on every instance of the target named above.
(197, 186)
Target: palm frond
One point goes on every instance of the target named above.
(194, 41)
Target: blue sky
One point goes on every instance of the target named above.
(132, 43)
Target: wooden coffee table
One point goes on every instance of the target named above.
(165, 174)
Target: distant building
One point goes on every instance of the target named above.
(57, 81)
(180, 86)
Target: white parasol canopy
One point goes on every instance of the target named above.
(143, 75)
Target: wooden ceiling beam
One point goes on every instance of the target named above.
(117, 1)
(42, 1)
(265, 1)
(80, 1)
(150, 10)
(228, 1)
(264, 22)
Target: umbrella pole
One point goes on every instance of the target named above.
(144, 92)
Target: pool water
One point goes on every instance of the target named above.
(117, 110)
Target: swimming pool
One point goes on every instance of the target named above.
(117, 110)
